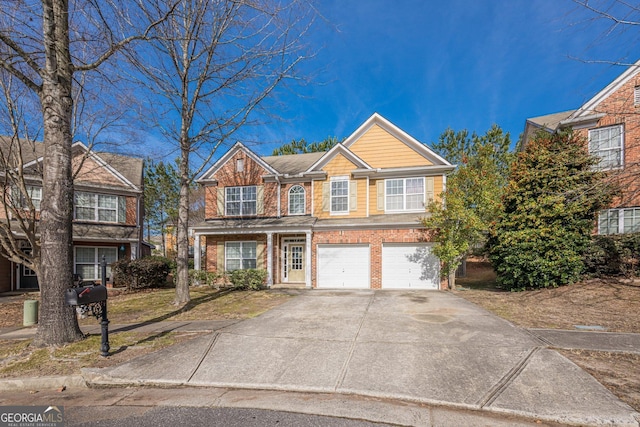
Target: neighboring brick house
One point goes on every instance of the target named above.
(345, 218)
(610, 121)
(108, 211)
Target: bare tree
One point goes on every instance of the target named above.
(213, 64)
(45, 46)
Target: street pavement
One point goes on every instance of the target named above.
(424, 347)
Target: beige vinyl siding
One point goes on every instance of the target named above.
(380, 149)
(375, 186)
(340, 166)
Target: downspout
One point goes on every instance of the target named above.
(279, 195)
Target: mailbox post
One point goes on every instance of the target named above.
(94, 298)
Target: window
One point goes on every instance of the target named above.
(19, 200)
(406, 194)
(296, 200)
(631, 222)
(636, 95)
(240, 165)
(608, 222)
(100, 207)
(340, 196)
(26, 271)
(607, 144)
(240, 255)
(88, 259)
(614, 221)
(240, 200)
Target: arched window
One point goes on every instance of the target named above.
(296, 200)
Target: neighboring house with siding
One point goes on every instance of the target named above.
(108, 211)
(610, 122)
(345, 218)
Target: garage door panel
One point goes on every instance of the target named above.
(343, 266)
(409, 266)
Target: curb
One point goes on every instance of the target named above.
(18, 384)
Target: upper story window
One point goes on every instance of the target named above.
(607, 143)
(636, 95)
(296, 200)
(404, 194)
(100, 207)
(340, 195)
(240, 200)
(33, 192)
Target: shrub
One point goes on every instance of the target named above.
(253, 279)
(613, 255)
(550, 205)
(140, 273)
(209, 278)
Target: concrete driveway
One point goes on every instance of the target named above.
(421, 346)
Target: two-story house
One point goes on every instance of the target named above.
(108, 211)
(610, 122)
(345, 218)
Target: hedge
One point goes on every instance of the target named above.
(140, 273)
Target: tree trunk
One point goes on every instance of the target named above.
(182, 233)
(57, 323)
(452, 280)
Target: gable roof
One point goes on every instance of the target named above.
(127, 169)
(589, 107)
(586, 115)
(238, 146)
(417, 146)
(331, 154)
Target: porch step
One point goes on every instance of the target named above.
(288, 286)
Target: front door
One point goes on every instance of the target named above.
(294, 263)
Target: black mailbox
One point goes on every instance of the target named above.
(85, 295)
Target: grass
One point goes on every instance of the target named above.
(19, 359)
(155, 305)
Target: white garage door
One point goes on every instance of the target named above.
(343, 266)
(409, 266)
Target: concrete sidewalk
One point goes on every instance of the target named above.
(425, 347)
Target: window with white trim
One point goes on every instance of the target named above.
(88, 261)
(631, 220)
(241, 200)
(607, 144)
(240, 255)
(100, 207)
(33, 192)
(404, 194)
(636, 95)
(613, 221)
(608, 222)
(339, 195)
(296, 200)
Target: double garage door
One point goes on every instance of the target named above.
(404, 266)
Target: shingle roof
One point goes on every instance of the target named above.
(551, 121)
(293, 163)
(129, 167)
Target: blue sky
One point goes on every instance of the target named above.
(429, 65)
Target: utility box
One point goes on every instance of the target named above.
(30, 317)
